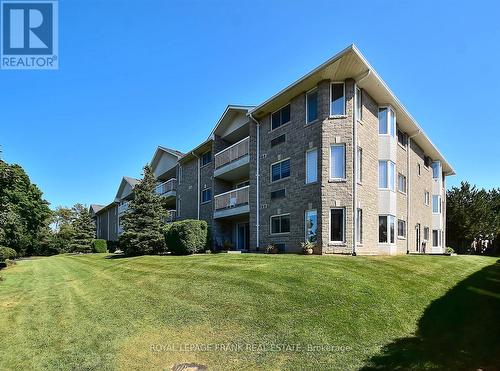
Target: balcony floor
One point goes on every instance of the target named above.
(235, 170)
(232, 211)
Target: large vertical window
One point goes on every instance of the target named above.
(426, 233)
(359, 165)
(401, 183)
(311, 223)
(436, 169)
(312, 166)
(337, 225)
(436, 204)
(280, 224)
(337, 161)
(386, 175)
(280, 170)
(280, 117)
(359, 104)
(312, 106)
(386, 121)
(386, 228)
(337, 103)
(359, 225)
(435, 238)
(401, 228)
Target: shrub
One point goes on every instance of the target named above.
(271, 249)
(113, 246)
(99, 246)
(449, 250)
(7, 253)
(186, 236)
(9, 262)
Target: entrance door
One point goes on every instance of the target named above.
(243, 236)
(417, 234)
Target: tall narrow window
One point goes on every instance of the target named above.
(312, 106)
(206, 158)
(436, 204)
(382, 121)
(337, 225)
(280, 117)
(386, 228)
(435, 238)
(359, 225)
(426, 198)
(337, 161)
(312, 166)
(401, 183)
(382, 174)
(359, 165)
(402, 138)
(392, 122)
(401, 228)
(311, 223)
(337, 104)
(436, 169)
(359, 104)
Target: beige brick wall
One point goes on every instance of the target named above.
(401, 198)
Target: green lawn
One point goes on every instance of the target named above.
(92, 312)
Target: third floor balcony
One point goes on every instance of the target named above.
(233, 162)
(167, 189)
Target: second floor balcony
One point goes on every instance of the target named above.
(123, 207)
(167, 189)
(234, 202)
(233, 162)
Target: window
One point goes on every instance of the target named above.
(386, 121)
(427, 161)
(337, 103)
(386, 175)
(180, 174)
(206, 195)
(426, 233)
(436, 169)
(419, 169)
(401, 228)
(312, 106)
(280, 170)
(359, 104)
(436, 204)
(337, 161)
(280, 117)
(280, 224)
(311, 223)
(359, 165)
(337, 219)
(280, 193)
(401, 183)
(311, 166)
(435, 238)
(402, 138)
(206, 158)
(426, 198)
(359, 225)
(278, 140)
(386, 226)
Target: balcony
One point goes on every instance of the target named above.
(233, 162)
(231, 203)
(167, 189)
(123, 207)
(171, 215)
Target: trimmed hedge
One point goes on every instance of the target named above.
(99, 246)
(7, 253)
(186, 236)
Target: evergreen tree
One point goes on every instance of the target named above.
(83, 230)
(142, 223)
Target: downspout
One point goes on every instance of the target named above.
(257, 189)
(198, 196)
(408, 185)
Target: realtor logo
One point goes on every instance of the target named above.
(29, 34)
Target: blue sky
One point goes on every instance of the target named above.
(136, 74)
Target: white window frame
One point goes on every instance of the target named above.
(313, 90)
(401, 237)
(438, 239)
(438, 204)
(388, 127)
(388, 223)
(330, 225)
(438, 163)
(359, 226)
(305, 223)
(330, 162)
(331, 96)
(359, 101)
(271, 170)
(391, 186)
(271, 224)
(406, 183)
(426, 232)
(427, 197)
(201, 196)
(307, 165)
(359, 165)
(279, 109)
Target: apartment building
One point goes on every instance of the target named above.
(334, 159)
